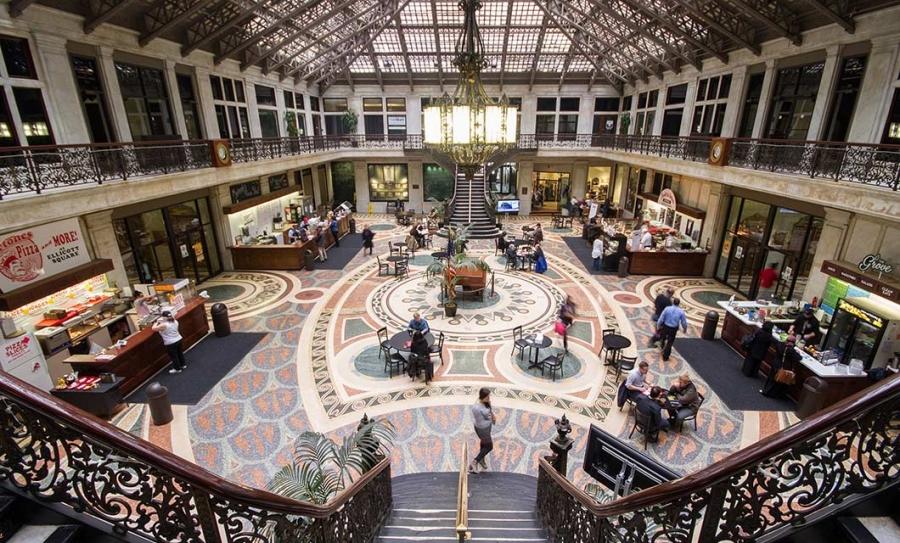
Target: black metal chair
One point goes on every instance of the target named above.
(383, 267)
(519, 342)
(553, 364)
(384, 345)
(438, 348)
(693, 417)
(643, 425)
(510, 264)
(392, 249)
(428, 241)
(606, 332)
(402, 267)
(394, 360)
(625, 363)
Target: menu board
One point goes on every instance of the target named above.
(835, 289)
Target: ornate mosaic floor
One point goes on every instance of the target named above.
(319, 369)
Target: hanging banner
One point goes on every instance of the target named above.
(36, 253)
(667, 199)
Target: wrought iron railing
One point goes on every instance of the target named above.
(57, 454)
(39, 168)
(829, 461)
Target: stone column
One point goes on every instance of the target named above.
(207, 107)
(632, 113)
(714, 225)
(526, 168)
(102, 237)
(830, 246)
(876, 93)
(361, 179)
(220, 196)
(765, 99)
(252, 111)
(586, 114)
(178, 123)
(578, 180)
(61, 98)
(529, 111)
(113, 94)
(830, 74)
(660, 112)
(416, 179)
(735, 95)
(688, 116)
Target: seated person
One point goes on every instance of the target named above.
(635, 383)
(511, 256)
(652, 405)
(502, 242)
(420, 358)
(418, 324)
(686, 395)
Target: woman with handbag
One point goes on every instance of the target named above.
(781, 374)
(756, 347)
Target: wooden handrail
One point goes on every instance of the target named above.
(462, 497)
(199, 478)
(764, 449)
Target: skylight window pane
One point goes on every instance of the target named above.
(423, 63)
(492, 40)
(387, 42)
(492, 14)
(416, 13)
(522, 41)
(448, 13)
(555, 42)
(362, 65)
(391, 63)
(519, 63)
(527, 14)
(419, 41)
(550, 63)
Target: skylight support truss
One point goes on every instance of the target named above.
(165, 15)
(255, 29)
(375, 65)
(404, 49)
(220, 21)
(437, 43)
(838, 12)
(509, 12)
(103, 10)
(774, 15)
(669, 22)
(724, 23)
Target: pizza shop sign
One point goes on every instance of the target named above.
(30, 255)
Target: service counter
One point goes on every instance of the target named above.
(666, 262)
(288, 256)
(840, 379)
(143, 355)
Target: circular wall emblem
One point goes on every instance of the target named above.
(20, 258)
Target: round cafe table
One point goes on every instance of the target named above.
(615, 343)
(401, 339)
(532, 343)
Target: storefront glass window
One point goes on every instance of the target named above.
(343, 181)
(753, 220)
(388, 182)
(503, 180)
(599, 182)
(438, 183)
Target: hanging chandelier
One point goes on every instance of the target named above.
(470, 127)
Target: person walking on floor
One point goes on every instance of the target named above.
(756, 347)
(167, 327)
(484, 421)
(597, 253)
(662, 301)
(333, 225)
(667, 326)
(368, 235)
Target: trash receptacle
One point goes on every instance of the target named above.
(309, 261)
(812, 397)
(159, 403)
(352, 225)
(710, 323)
(623, 266)
(221, 324)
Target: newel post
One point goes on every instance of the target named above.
(561, 445)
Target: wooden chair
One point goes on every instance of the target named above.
(402, 267)
(383, 344)
(553, 364)
(694, 416)
(428, 242)
(383, 267)
(394, 360)
(438, 348)
(519, 342)
(392, 249)
(626, 363)
(643, 425)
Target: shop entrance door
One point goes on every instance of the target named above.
(743, 265)
(550, 191)
(190, 251)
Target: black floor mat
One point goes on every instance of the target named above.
(582, 250)
(339, 257)
(208, 363)
(720, 367)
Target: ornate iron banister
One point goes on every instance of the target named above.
(462, 497)
(848, 451)
(60, 454)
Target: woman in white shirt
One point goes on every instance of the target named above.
(597, 253)
(167, 327)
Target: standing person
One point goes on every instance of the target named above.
(333, 225)
(321, 242)
(368, 235)
(636, 382)
(757, 348)
(786, 358)
(807, 327)
(484, 421)
(667, 326)
(646, 238)
(769, 276)
(566, 318)
(605, 208)
(597, 252)
(662, 301)
(293, 233)
(538, 234)
(167, 327)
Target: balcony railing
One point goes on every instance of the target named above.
(812, 469)
(36, 169)
(58, 454)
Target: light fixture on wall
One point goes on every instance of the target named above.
(470, 127)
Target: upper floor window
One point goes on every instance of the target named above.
(843, 103)
(17, 57)
(93, 99)
(146, 101)
(268, 114)
(793, 99)
(605, 115)
(673, 112)
(265, 96)
(710, 105)
(26, 97)
(294, 118)
(335, 108)
(646, 112)
(561, 117)
(384, 116)
(230, 103)
(751, 105)
(189, 106)
(891, 132)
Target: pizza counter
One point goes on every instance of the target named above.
(842, 382)
(143, 354)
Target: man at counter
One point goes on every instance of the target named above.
(646, 238)
(293, 233)
(806, 326)
(167, 327)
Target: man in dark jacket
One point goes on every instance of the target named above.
(662, 301)
(651, 406)
(688, 399)
(757, 348)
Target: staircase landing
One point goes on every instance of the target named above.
(501, 509)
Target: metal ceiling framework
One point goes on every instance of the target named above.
(328, 42)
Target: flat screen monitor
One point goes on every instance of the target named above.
(508, 206)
